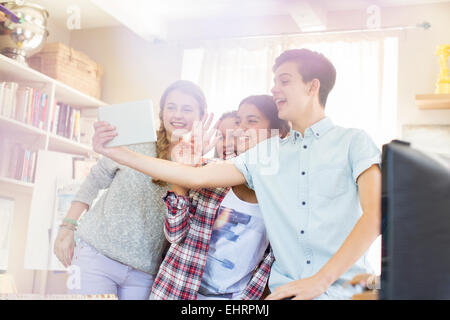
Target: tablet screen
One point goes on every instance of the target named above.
(134, 122)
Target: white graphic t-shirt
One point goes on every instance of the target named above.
(236, 248)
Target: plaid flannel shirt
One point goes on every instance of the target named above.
(188, 227)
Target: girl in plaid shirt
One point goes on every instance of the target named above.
(219, 248)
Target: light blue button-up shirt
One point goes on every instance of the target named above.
(307, 191)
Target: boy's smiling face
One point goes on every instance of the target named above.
(291, 94)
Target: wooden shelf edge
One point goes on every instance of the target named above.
(22, 126)
(56, 142)
(89, 102)
(433, 101)
(14, 185)
(63, 144)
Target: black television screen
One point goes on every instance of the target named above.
(416, 224)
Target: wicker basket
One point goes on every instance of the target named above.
(69, 66)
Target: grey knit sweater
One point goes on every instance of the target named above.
(126, 223)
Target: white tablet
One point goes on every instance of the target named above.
(134, 122)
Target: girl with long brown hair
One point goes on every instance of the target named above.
(120, 239)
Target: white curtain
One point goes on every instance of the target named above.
(365, 94)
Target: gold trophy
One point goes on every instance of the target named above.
(443, 83)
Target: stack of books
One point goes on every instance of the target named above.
(17, 162)
(25, 104)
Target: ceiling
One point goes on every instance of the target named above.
(150, 18)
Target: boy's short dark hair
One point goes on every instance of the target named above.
(311, 65)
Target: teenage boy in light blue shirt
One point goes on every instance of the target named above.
(319, 190)
(312, 205)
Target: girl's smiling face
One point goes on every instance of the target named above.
(226, 146)
(254, 127)
(180, 112)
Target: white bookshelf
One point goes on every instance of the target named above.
(42, 139)
(14, 71)
(25, 226)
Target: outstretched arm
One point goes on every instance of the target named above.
(214, 175)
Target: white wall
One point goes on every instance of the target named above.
(57, 33)
(133, 69)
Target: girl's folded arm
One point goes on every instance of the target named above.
(176, 225)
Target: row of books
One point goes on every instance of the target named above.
(66, 122)
(31, 106)
(17, 162)
(24, 104)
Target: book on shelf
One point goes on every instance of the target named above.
(37, 97)
(76, 126)
(55, 119)
(17, 162)
(66, 121)
(43, 113)
(54, 110)
(8, 92)
(25, 104)
(23, 95)
(61, 120)
(69, 123)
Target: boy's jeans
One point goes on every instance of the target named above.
(102, 275)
